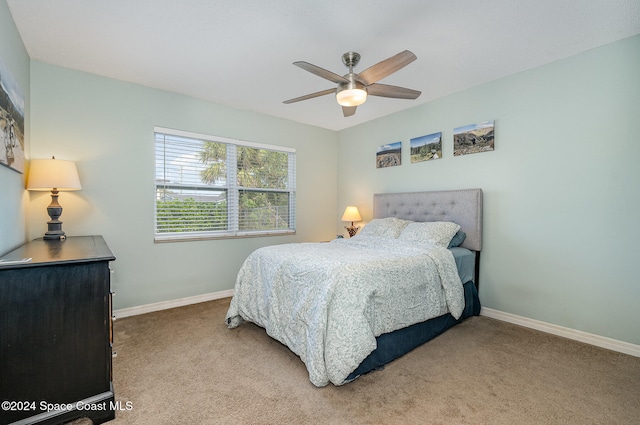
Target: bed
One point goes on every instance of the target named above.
(350, 306)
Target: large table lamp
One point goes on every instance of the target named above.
(55, 175)
(351, 214)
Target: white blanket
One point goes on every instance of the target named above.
(328, 301)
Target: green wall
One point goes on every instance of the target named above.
(106, 126)
(13, 199)
(561, 188)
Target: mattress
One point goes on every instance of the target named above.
(327, 302)
(465, 263)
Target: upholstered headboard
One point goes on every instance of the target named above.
(463, 207)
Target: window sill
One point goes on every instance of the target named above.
(208, 237)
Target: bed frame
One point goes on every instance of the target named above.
(463, 207)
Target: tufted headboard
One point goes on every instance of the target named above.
(463, 207)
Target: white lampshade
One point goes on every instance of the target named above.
(351, 214)
(48, 174)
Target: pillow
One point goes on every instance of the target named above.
(437, 233)
(457, 240)
(389, 227)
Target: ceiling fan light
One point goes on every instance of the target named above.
(351, 97)
(353, 93)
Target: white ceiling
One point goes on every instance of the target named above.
(240, 53)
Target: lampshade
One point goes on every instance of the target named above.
(351, 214)
(351, 94)
(47, 174)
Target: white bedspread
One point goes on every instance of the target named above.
(328, 301)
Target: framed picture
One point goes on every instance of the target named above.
(11, 121)
(473, 138)
(426, 148)
(389, 155)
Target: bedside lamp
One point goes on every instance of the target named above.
(351, 214)
(54, 175)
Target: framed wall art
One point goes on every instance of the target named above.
(426, 148)
(11, 121)
(389, 155)
(473, 138)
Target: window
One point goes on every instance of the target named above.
(208, 187)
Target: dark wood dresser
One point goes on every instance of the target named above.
(56, 332)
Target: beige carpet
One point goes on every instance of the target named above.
(183, 366)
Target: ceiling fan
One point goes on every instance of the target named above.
(353, 88)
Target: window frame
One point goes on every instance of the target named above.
(231, 187)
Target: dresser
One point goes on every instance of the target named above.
(56, 332)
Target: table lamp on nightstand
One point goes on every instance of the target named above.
(54, 175)
(351, 214)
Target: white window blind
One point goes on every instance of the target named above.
(209, 187)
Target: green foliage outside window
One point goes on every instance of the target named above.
(188, 215)
(263, 211)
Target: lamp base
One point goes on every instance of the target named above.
(352, 230)
(54, 226)
(54, 234)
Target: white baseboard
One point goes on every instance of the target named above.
(597, 340)
(164, 305)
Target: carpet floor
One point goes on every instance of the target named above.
(183, 366)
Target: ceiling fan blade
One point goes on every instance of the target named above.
(385, 90)
(347, 111)
(321, 72)
(386, 67)
(310, 96)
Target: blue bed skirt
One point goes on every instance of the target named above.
(392, 345)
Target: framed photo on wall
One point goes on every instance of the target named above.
(426, 148)
(11, 121)
(389, 155)
(473, 138)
